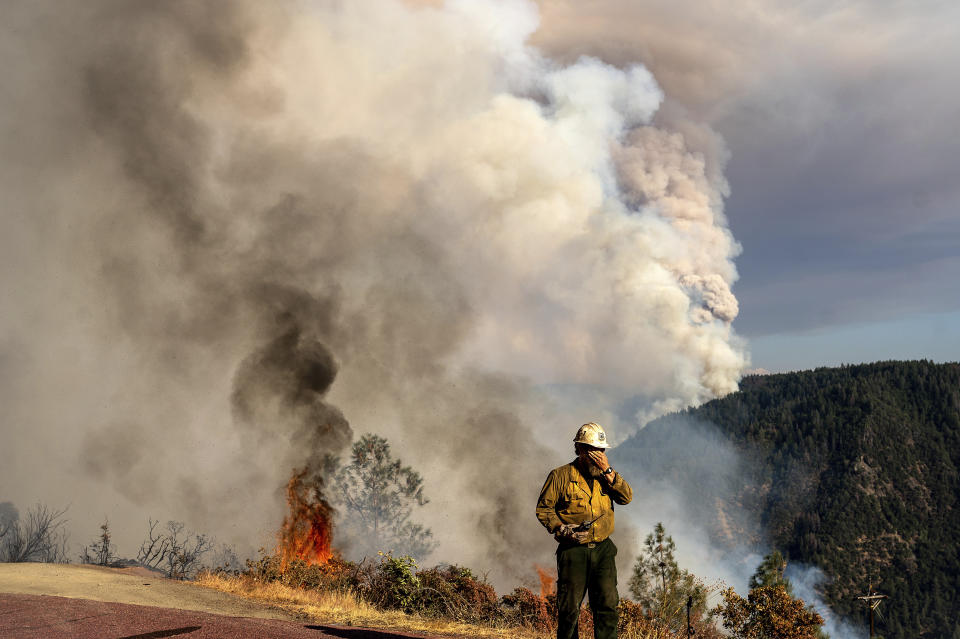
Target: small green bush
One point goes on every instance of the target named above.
(394, 583)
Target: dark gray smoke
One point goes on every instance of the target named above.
(284, 383)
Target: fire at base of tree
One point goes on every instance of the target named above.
(375, 496)
(307, 531)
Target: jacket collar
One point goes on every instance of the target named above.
(579, 478)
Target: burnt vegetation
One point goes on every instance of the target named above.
(172, 550)
(101, 551)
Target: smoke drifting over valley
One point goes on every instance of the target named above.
(237, 234)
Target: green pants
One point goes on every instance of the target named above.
(581, 570)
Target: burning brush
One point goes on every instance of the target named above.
(548, 581)
(307, 530)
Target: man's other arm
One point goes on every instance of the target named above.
(620, 490)
(547, 502)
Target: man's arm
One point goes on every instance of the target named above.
(620, 490)
(547, 502)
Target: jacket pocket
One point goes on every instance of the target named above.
(576, 507)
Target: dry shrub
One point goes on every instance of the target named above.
(634, 623)
(524, 608)
(455, 593)
(585, 622)
(447, 592)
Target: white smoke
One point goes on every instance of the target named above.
(693, 483)
(464, 224)
(806, 581)
(589, 249)
(691, 476)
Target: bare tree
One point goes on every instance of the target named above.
(56, 551)
(100, 550)
(173, 551)
(41, 537)
(153, 551)
(9, 515)
(224, 558)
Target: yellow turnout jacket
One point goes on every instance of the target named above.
(569, 497)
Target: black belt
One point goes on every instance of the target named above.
(592, 544)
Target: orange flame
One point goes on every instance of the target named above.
(548, 582)
(307, 530)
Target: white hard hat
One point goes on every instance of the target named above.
(592, 435)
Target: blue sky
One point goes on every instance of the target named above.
(913, 336)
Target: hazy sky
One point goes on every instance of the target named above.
(842, 122)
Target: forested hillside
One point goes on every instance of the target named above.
(853, 469)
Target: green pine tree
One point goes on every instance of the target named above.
(379, 494)
(661, 587)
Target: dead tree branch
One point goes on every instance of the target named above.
(176, 553)
(42, 537)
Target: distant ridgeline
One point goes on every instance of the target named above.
(852, 469)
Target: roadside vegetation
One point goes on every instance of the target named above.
(379, 497)
(394, 592)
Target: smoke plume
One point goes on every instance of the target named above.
(807, 581)
(231, 228)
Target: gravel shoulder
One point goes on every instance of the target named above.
(127, 585)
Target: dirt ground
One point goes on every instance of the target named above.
(127, 585)
(47, 617)
(56, 601)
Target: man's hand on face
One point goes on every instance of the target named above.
(599, 458)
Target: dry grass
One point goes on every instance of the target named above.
(348, 609)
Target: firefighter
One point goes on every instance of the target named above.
(576, 505)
